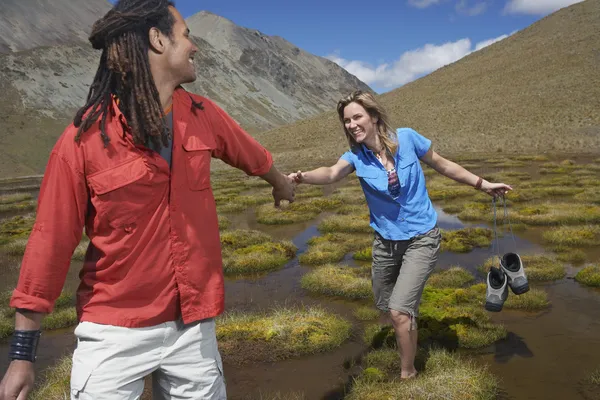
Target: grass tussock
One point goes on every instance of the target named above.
(27, 205)
(14, 198)
(302, 210)
(346, 224)
(18, 227)
(447, 376)
(56, 382)
(365, 313)
(573, 236)
(333, 280)
(589, 276)
(351, 194)
(538, 268)
(281, 333)
(567, 255)
(450, 318)
(548, 214)
(454, 277)
(332, 247)
(63, 316)
(247, 252)
(466, 239)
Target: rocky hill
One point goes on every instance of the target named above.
(536, 91)
(262, 81)
(26, 24)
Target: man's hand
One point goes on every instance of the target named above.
(284, 189)
(297, 177)
(18, 381)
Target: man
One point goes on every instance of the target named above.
(134, 170)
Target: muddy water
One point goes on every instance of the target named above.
(544, 357)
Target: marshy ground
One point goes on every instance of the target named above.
(300, 321)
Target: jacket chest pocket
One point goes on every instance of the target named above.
(374, 178)
(125, 193)
(406, 172)
(197, 157)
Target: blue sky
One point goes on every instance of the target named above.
(385, 43)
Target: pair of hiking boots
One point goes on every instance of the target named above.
(510, 274)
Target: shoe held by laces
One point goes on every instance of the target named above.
(497, 290)
(512, 266)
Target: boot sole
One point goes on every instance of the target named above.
(493, 307)
(520, 289)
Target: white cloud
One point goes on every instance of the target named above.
(464, 7)
(486, 43)
(537, 7)
(423, 3)
(411, 64)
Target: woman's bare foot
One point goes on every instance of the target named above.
(408, 375)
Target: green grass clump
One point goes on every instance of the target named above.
(447, 376)
(573, 236)
(258, 258)
(332, 247)
(365, 313)
(466, 239)
(346, 224)
(451, 318)
(18, 227)
(365, 254)
(224, 223)
(351, 195)
(386, 360)
(532, 301)
(15, 247)
(303, 210)
(56, 383)
(573, 256)
(589, 195)
(63, 316)
(280, 334)
(14, 198)
(589, 276)
(454, 277)
(334, 280)
(531, 158)
(557, 214)
(538, 268)
(241, 238)
(247, 252)
(27, 205)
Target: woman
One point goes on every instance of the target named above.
(407, 239)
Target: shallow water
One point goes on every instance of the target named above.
(545, 356)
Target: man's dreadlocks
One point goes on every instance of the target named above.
(124, 71)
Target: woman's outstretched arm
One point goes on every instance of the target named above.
(324, 175)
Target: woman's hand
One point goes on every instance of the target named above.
(298, 177)
(495, 189)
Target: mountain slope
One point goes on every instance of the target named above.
(536, 91)
(26, 24)
(277, 79)
(265, 87)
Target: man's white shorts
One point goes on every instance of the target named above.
(111, 362)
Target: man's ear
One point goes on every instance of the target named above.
(156, 40)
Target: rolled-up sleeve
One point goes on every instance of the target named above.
(235, 146)
(58, 228)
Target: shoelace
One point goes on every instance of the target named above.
(505, 218)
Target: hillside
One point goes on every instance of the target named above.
(536, 91)
(269, 83)
(26, 24)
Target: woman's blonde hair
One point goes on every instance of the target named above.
(385, 131)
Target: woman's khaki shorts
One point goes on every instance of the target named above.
(401, 268)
